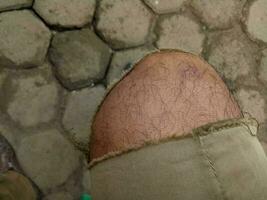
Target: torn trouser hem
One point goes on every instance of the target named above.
(248, 122)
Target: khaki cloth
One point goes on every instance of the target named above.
(14, 186)
(226, 162)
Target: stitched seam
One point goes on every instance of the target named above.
(212, 167)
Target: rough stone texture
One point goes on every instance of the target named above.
(48, 158)
(190, 36)
(9, 131)
(14, 4)
(252, 101)
(263, 67)
(32, 98)
(257, 20)
(65, 13)
(124, 23)
(122, 62)
(59, 196)
(165, 6)
(218, 14)
(80, 109)
(80, 58)
(3, 76)
(233, 54)
(24, 39)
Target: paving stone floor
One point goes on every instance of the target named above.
(57, 57)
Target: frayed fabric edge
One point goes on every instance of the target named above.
(248, 122)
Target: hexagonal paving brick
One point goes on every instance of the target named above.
(14, 4)
(48, 158)
(59, 196)
(233, 54)
(257, 20)
(80, 109)
(263, 67)
(180, 32)
(80, 58)
(165, 6)
(124, 23)
(218, 14)
(122, 62)
(251, 101)
(31, 97)
(24, 39)
(65, 13)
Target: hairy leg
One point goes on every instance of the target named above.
(167, 93)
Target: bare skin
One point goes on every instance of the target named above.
(166, 93)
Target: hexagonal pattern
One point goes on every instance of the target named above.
(78, 115)
(233, 54)
(24, 39)
(257, 20)
(124, 23)
(80, 58)
(33, 105)
(32, 98)
(122, 61)
(263, 67)
(190, 35)
(65, 13)
(14, 4)
(165, 6)
(60, 157)
(218, 14)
